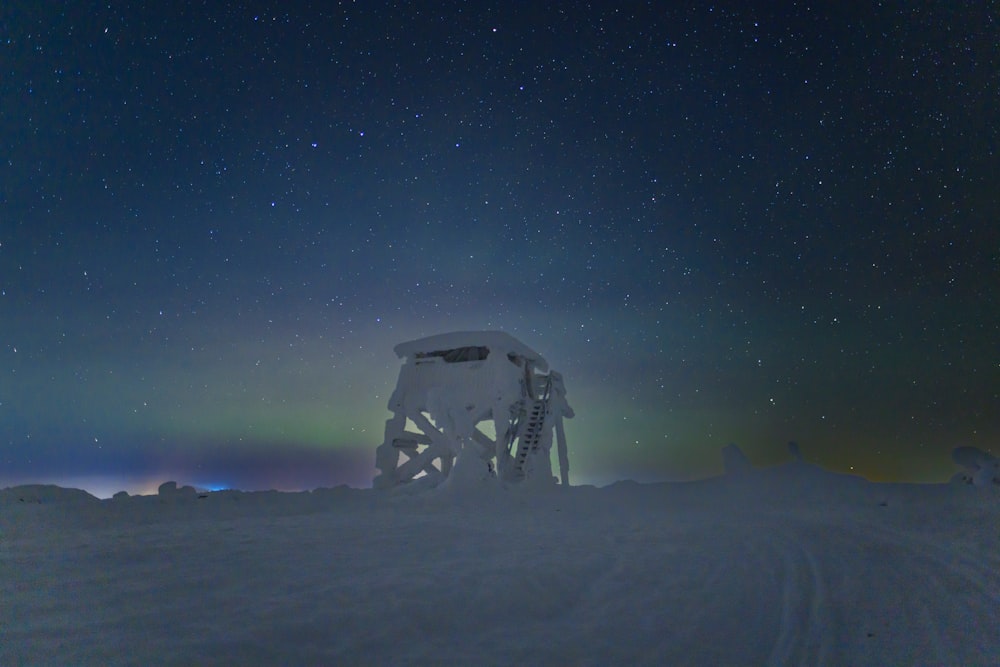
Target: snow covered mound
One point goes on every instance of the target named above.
(980, 468)
(45, 493)
(171, 490)
(791, 565)
(734, 460)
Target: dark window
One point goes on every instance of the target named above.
(459, 354)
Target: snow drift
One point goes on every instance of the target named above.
(781, 566)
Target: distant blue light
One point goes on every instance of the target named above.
(214, 487)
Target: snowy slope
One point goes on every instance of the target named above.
(784, 566)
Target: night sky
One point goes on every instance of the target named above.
(722, 223)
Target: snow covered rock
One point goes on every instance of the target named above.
(988, 474)
(980, 468)
(960, 478)
(171, 490)
(793, 449)
(734, 460)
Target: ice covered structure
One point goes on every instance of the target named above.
(451, 384)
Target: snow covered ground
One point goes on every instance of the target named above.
(782, 566)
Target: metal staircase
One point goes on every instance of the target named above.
(531, 429)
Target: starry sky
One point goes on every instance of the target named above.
(746, 222)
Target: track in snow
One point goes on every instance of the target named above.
(718, 573)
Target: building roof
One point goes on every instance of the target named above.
(495, 340)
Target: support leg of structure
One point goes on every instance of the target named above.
(563, 455)
(386, 455)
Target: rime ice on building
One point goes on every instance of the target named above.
(452, 383)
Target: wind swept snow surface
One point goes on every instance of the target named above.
(784, 566)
